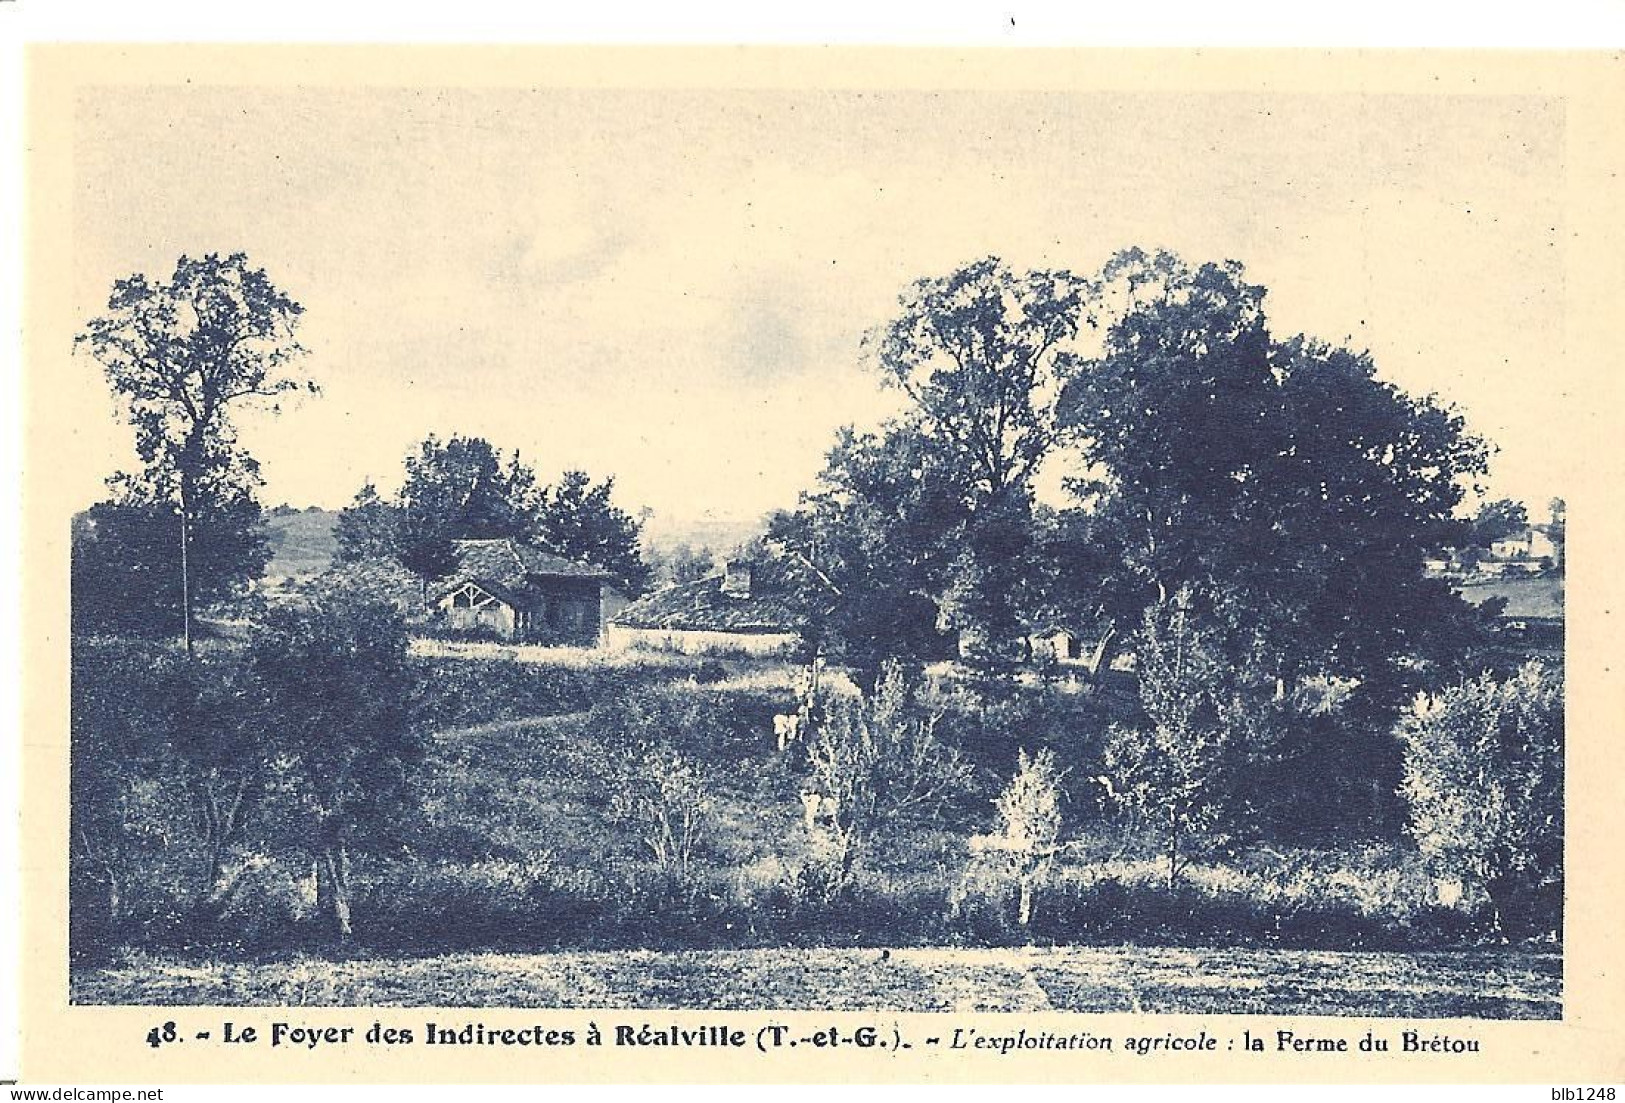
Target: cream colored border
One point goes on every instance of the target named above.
(82, 1045)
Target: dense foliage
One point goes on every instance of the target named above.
(1484, 779)
(463, 488)
(1225, 754)
(124, 574)
(182, 357)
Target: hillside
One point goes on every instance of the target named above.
(301, 541)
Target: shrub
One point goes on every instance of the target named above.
(710, 672)
(666, 798)
(1484, 779)
(530, 904)
(1030, 812)
(874, 763)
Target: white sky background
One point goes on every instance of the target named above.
(670, 287)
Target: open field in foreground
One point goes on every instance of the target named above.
(1475, 984)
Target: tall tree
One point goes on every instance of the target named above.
(982, 355)
(884, 524)
(1285, 471)
(461, 489)
(367, 529)
(183, 356)
(579, 519)
(925, 525)
(1287, 475)
(464, 488)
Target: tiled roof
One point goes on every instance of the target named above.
(786, 592)
(510, 562)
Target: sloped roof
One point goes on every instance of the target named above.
(510, 563)
(378, 579)
(786, 592)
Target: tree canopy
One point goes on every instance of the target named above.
(579, 519)
(1283, 471)
(182, 357)
(464, 488)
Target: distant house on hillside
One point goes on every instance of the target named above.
(759, 606)
(519, 592)
(1531, 543)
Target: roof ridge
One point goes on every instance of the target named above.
(822, 577)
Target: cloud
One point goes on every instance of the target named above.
(561, 253)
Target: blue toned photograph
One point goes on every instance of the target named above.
(816, 548)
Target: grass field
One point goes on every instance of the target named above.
(1472, 984)
(514, 878)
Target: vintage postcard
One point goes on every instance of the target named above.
(763, 564)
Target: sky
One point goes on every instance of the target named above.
(671, 286)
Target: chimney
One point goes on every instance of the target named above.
(736, 579)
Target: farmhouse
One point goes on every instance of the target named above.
(516, 591)
(1531, 542)
(758, 606)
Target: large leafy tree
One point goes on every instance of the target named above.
(926, 524)
(461, 489)
(1288, 476)
(1283, 474)
(981, 353)
(882, 523)
(183, 356)
(1283, 471)
(578, 518)
(464, 488)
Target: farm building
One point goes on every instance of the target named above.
(760, 606)
(1069, 647)
(516, 591)
(1531, 542)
